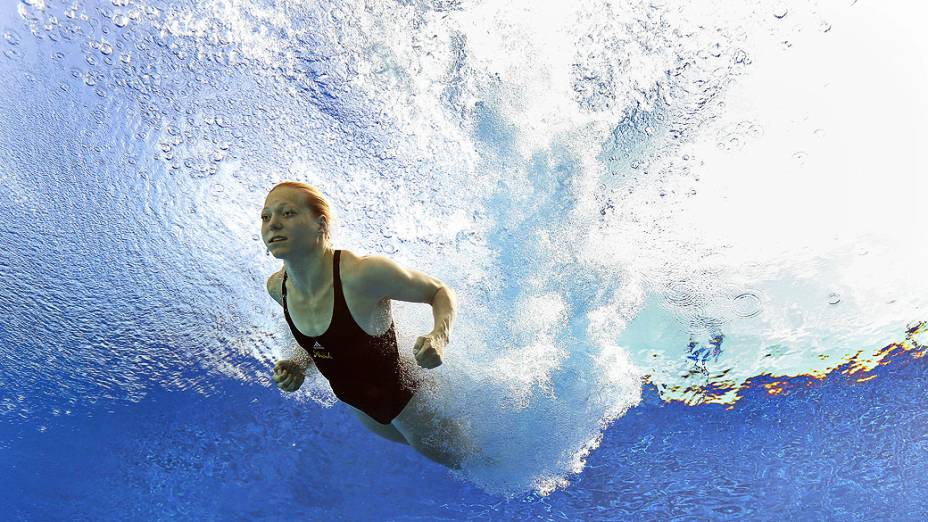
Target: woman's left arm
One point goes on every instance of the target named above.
(385, 279)
(444, 310)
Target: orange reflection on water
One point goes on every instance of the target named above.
(716, 389)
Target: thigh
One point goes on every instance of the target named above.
(415, 419)
(438, 437)
(422, 425)
(387, 431)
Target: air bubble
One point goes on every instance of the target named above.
(780, 13)
(834, 298)
(120, 20)
(747, 304)
(680, 293)
(10, 37)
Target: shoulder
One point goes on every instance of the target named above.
(383, 278)
(364, 268)
(274, 283)
(356, 274)
(354, 268)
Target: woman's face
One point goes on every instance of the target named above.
(286, 215)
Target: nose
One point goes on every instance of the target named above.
(273, 227)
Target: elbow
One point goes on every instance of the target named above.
(448, 292)
(435, 294)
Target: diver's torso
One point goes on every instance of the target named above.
(359, 358)
(312, 315)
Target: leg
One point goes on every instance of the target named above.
(386, 431)
(439, 439)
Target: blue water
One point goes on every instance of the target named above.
(835, 450)
(611, 219)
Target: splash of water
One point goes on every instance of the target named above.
(575, 172)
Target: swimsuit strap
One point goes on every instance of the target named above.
(339, 302)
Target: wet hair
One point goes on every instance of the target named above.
(316, 202)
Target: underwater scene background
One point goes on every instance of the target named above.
(687, 242)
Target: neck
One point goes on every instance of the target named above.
(310, 273)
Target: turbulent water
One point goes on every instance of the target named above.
(619, 193)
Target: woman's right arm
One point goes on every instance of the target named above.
(273, 286)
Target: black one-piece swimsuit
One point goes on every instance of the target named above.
(364, 371)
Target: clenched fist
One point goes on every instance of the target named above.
(428, 350)
(288, 375)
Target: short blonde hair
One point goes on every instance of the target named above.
(317, 203)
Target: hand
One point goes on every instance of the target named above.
(428, 350)
(288, 375)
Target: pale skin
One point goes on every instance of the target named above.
(369, 284)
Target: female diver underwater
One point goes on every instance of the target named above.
(337, 306)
